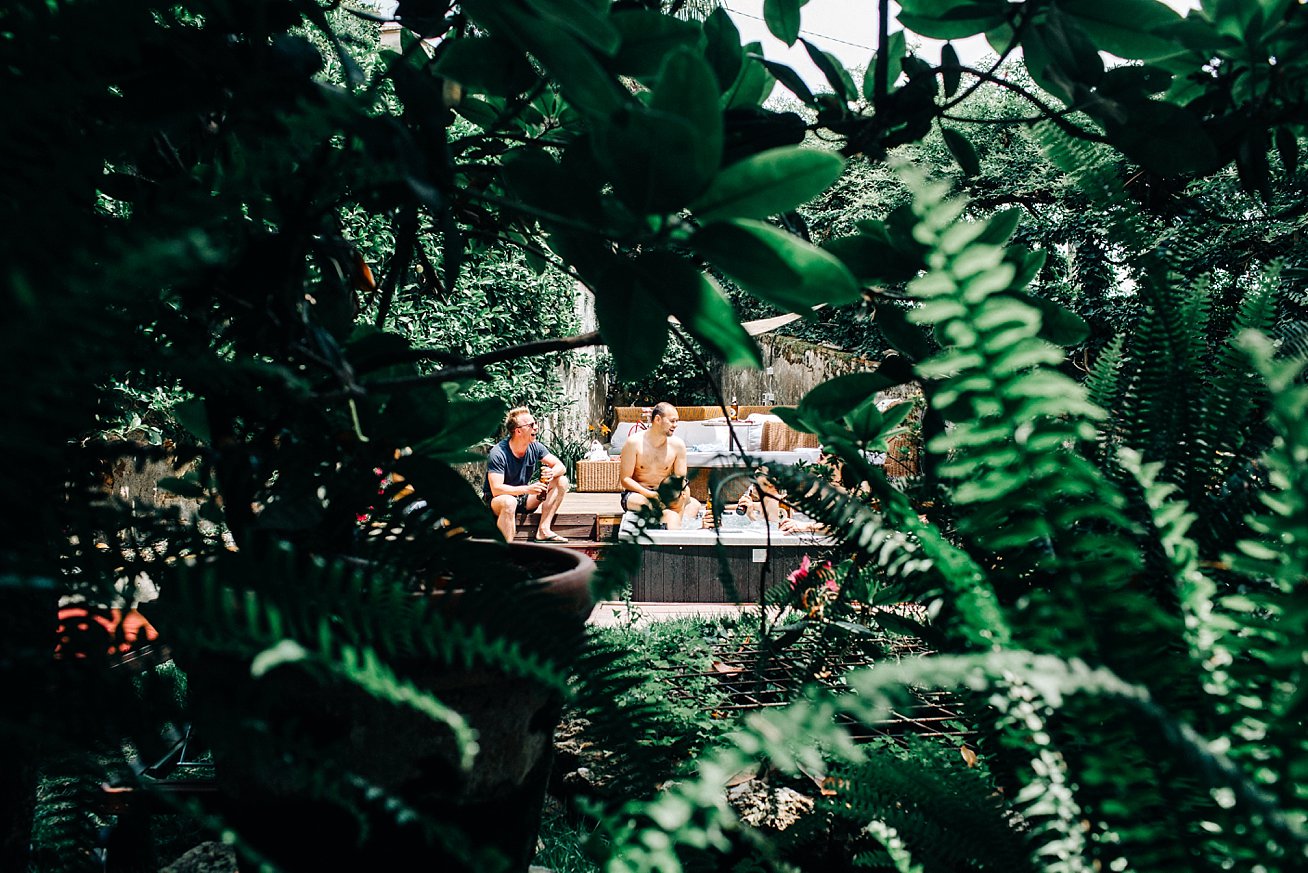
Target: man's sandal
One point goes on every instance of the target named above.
(552, 538)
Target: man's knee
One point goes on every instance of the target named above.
(560, 484)
(505, 504)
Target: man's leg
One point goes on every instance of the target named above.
(505, 508)
(550, 506)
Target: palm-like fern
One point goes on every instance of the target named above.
(1128, 704)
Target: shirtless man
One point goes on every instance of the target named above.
(648, 459)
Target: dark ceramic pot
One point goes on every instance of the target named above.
(487, 814)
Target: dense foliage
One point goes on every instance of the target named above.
(1112, 572)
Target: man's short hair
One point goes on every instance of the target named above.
(511, 420)
(662, 409)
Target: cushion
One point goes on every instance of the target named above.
(697, 433)
(622, 432)
(754, 435)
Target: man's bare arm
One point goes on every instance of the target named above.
(557, 467)
(679, 458)
(499, 489)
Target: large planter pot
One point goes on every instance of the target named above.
(464, 819)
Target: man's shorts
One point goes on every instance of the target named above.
(622, 498)
(522, 503)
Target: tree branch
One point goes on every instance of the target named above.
(1049, 113)
(539, 347)
(406, 236)
(475, 367)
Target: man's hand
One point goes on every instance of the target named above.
(537, 488)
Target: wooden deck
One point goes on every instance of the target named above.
(588, 520)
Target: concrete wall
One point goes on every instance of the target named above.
(791, 368)
(584, 387)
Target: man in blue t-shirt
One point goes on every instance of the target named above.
(508, 487)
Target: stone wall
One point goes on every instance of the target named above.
(791, 368)
(584, 386)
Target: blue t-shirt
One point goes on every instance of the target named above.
(517, 471)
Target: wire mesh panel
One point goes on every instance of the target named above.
(745, 678)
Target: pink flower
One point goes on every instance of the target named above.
(801, 573)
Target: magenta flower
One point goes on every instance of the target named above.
(801, 573)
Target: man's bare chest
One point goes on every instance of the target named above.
(650, 458)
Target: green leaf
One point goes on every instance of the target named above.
(648, 37)
(768, 183)
(1163, 137)
(651, 157)
(1287, 146)
(582, 19)
(895, 47)
(284, 652)
(875, 255)
(688, 89)
(486, 63)
(194, 416)
(434, 479)
(1134, 82)
(535, 177)
(872, 427)
(465, 423)
(838, 397)
(906, 338)
(1060, 57)
(631, 321)
(951, 19)
(634, 327)
(181, 487)
(701, 307)
(753, 85)
(480, 112)
(1251, 162)
(1000, 226)
(789, 78)
(776, 266)
(724, 52)
(1027, 267)
(1125, 27)
(782, 17)
(1058, 325)
(587, 85)
(962, 151)
(836, 74)
(951, 69)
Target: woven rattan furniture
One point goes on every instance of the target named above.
(598, 476)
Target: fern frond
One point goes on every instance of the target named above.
(1017, 423)
(1172, 519)
(942, 813)
(896, 849)
(1054, 679)
(917, 555)
(1272, 618)
(1103, 382)
(65, 833)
